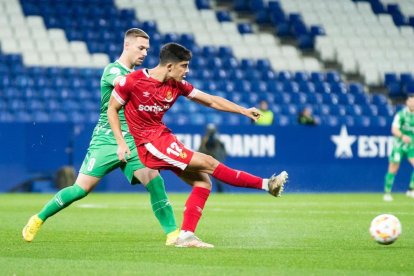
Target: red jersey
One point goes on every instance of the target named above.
(146, 100)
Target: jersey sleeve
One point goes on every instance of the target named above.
(111, 72)
(187, 89)
(397, 121)
(122, 91)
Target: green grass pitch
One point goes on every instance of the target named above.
(254, 234)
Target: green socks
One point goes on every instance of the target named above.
(61, 200)
(159, 201)
(389, 181)
(412, 181)
(160, 205)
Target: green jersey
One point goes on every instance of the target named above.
(101, 157)
(111, 72)
(404, 120)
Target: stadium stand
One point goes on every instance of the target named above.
(53, 52)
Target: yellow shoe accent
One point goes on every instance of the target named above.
(32, 227)
(172, 237)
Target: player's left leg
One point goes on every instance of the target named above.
(194, 207)
(205, 163)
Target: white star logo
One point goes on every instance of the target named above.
(343, 143)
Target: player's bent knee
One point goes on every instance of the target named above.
(145, 175)
(87, 182)
(211, 162)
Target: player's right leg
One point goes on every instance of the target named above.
(82, 186)
(161, 206)
(394, 164)
(205, 163)
(410, 191)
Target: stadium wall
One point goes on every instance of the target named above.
(318, 159)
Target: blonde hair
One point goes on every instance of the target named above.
(135, 32)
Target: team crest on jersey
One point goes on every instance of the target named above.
(169, 96)
(183, 154)
(114, 71)
(122, 81)
(146, 94)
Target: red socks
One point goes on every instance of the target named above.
(194, 208)
(237, 178)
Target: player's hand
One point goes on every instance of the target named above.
(406, 139)
(253, 113)
(123, 152)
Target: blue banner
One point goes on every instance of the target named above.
(318, 159)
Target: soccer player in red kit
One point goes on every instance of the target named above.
(146, 95)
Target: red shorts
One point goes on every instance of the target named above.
(165, 153)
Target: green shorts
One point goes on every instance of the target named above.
(398, 152)
(102, 158)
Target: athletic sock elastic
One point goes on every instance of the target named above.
(61, 200)
(237, 178)
(161, 206)
(194, 208)
(389, 182)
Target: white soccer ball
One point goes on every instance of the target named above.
(385, 229)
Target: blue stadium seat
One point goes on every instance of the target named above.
(282, 120)
(322, 87)
(299, 98)
(41, 116)
(314, 98)
(214, 118)
(346, 120)
(378, 121)
(284, 76)
(353, 110)
(274, 86)
(333, 77)
(337, 110)
(289, 109)
(58, 116)
(362, 121)
(23, 116)
(282, 98)
(307, 87)
(330, 120)
(290, 86)
(6, 117)
(317, 77)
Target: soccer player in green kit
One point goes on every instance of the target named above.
(102, 156)
(403, 131)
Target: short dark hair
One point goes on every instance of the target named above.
(174, 53)
(135, 32)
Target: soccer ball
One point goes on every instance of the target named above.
(385, 229)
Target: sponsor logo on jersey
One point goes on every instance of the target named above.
(368, 146)
(169, 96)
(153, 108)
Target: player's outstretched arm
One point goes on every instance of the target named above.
(222, 104)
(113, 118)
